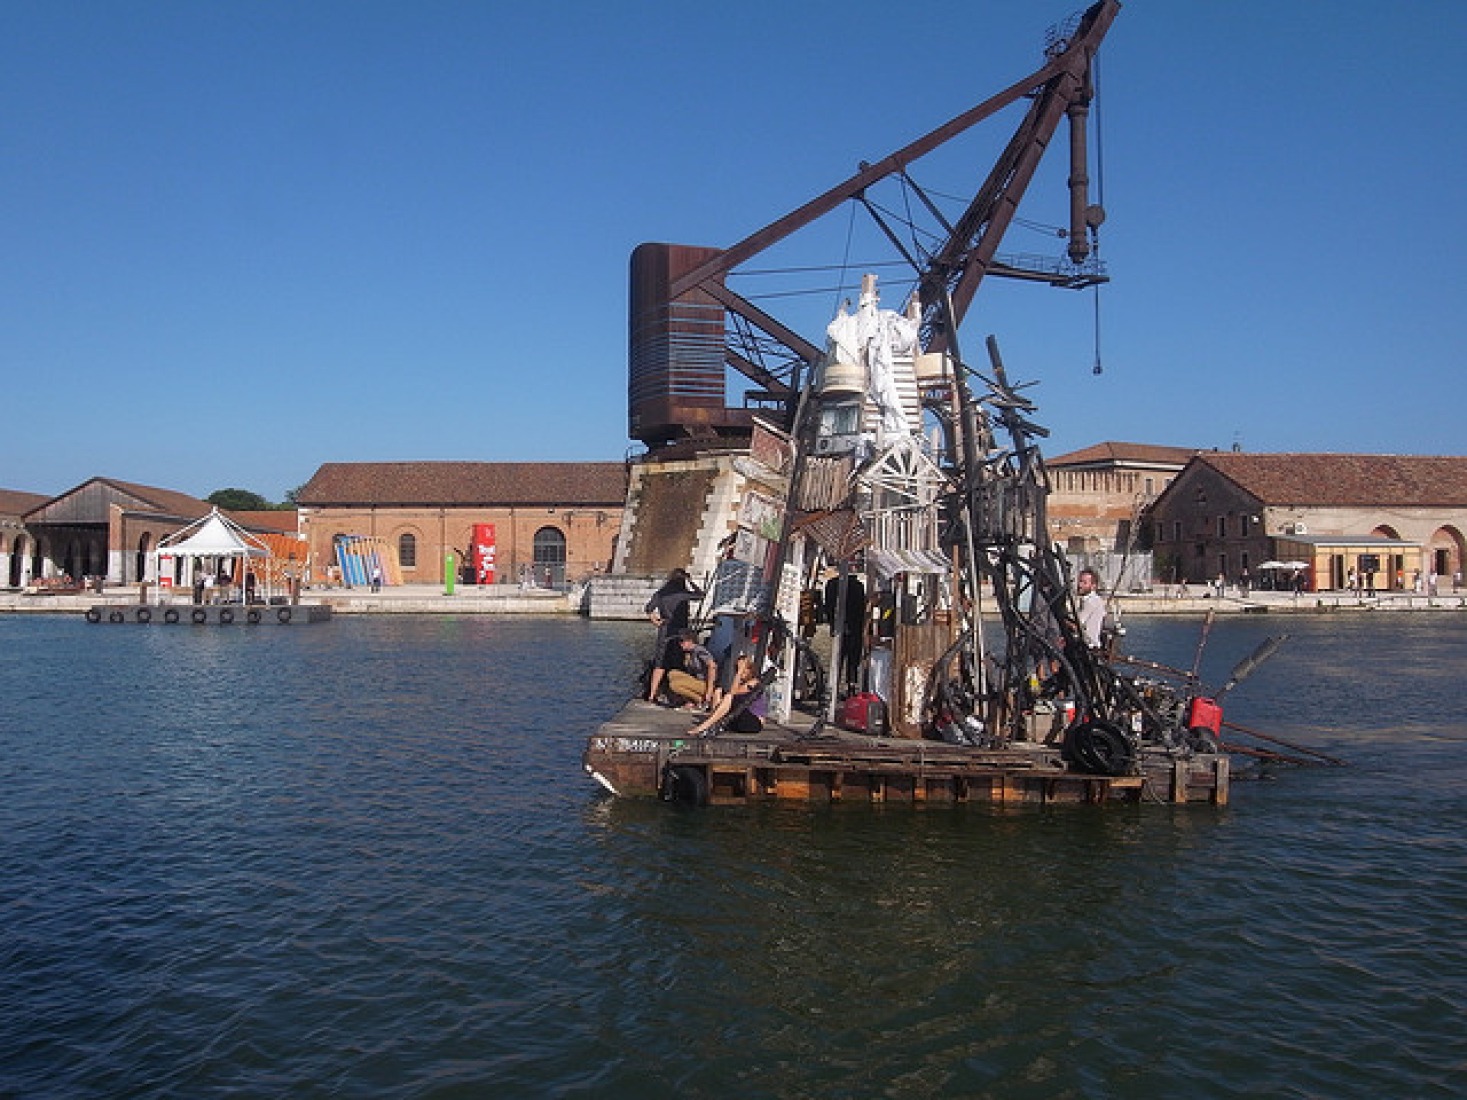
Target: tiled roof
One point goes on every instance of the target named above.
(161, 500)
(15, 502)
(282, 519)
(95, 493)
(454, 483)
(1125, 454)
(1332, 480)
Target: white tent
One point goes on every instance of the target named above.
(212, 536)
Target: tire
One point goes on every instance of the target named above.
(114, 616)
(170, 616)
(252, 616)
(226, 616)
(1202, 740)
(283, 615)
(200, 615)
(93, 615)
(144, 615)
(1098, 748)
(684, 786)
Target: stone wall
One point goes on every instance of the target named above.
(590, 536)
(608, 597)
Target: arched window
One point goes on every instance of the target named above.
(407, 551)
(550, 556)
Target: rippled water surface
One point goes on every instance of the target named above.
(361, 859)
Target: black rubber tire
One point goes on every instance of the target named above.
(252, 616)
(200, 615)
(144, 615)
(685, 786)
(1200, 739)
(1098, 748)
(93, 615)
(170, 616)
(283, 615)
(114, 616)
(226, 616)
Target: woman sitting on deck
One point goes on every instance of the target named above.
(747, 693)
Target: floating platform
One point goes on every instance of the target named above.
(645, 752)
(200, 614)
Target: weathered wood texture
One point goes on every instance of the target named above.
(629, 754)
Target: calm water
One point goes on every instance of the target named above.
(361, 859)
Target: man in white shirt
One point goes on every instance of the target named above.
(1091, 606)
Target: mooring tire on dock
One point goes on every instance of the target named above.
(1098, 748)
(170, 616)
(252, 616)
(93, 615)
(226, 616)
(144, 615)
(200, 615)
(283, 615)
(115, 616)
(684, 786)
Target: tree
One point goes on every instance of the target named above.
(239, 500)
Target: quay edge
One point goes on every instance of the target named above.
(622, 598)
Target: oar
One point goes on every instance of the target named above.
(1245, 667)
(1154, 666)
(1263, 754)
(1202, 643)
(1287, 744)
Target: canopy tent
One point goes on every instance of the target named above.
(212, 536)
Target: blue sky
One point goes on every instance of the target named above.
(244, 239)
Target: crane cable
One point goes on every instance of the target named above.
(1099, 199)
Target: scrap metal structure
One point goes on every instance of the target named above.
(907, 490)
(687, 325)
(892, 484)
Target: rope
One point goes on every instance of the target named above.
(845, 260)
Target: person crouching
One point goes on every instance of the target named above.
(693, 680)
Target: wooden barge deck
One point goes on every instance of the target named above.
(645, 752)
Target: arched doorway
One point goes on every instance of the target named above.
(1445, 555)
(21, 551)
(550, 557)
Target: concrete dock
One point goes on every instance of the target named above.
(424, 599)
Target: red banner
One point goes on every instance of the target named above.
(483, 553)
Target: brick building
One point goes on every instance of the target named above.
(1227, 512)
(103, 527)
(1098, 494)
(560, 519)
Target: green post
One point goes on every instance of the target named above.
(449, 573)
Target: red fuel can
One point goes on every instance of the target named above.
(1204, 713)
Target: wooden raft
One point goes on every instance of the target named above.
(630, 755)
